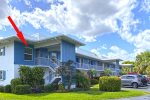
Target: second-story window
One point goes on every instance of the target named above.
(2, 51)
(28, 54)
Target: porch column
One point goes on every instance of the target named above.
(131, 68)
(117, 67)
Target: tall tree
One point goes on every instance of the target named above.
(143, 61)
(67, 71)
(107, 72)
(148, 71)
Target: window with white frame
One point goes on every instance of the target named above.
(2, 51)
(2, 74)
(28, 54)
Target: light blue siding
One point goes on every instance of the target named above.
(43, 52)
(19, 54)
(67, 51)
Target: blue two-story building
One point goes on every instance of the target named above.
(48, 53)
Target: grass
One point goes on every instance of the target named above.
(92, 94)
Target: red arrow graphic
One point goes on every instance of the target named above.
(19, 33)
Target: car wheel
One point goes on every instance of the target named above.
(135, 85)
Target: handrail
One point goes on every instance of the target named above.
(47, 62)
(88, 66)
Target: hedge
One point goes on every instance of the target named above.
(14, 83)
(82, 80)
(23, 89)
(50, 87)
(109, 83)
(1, 88)
(38, 89)
(7, 89)
(93, 81)
(61, 88)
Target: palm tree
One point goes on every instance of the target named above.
(92, 73)
(107, 72)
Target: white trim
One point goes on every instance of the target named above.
(3, 52)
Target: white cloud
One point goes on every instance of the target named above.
(116, 52)
(86, 19)
(28, 3)
(1, 37)
(4, 9)
(96, 51)
(145, 6)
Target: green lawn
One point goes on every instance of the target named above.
(92, 94)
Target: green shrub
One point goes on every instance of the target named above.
(38, 89)
(23, 89)
(41, 87)
(7, 89)
(82, 80)
(14, 83)
(109, 83)
(1, 88)
(94, 81)
(61, 88)
(50, 87)
(25, 75)
(32, 76)
(37, 76)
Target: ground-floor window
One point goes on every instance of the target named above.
(2, 74)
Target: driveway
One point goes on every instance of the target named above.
(145, 97)
(146, 89)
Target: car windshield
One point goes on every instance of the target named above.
(140, 76)
(130, 77)
(123, 77)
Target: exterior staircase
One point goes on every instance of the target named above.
(52, 64)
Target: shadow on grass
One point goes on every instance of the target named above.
(92, 91)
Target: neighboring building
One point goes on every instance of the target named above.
(13, 53)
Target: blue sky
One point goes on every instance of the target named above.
(111, 28)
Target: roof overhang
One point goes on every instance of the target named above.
(58, 38)
(65, 38)
(126, 65)
(14, 38)
(112, 60)
(86, 56)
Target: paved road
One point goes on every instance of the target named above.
(146, 89)
(145, 97)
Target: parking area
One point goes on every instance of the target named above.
(145, 97)
(146, 88)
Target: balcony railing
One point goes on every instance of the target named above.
(88, 66)
(42, 61)
(54, 63)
